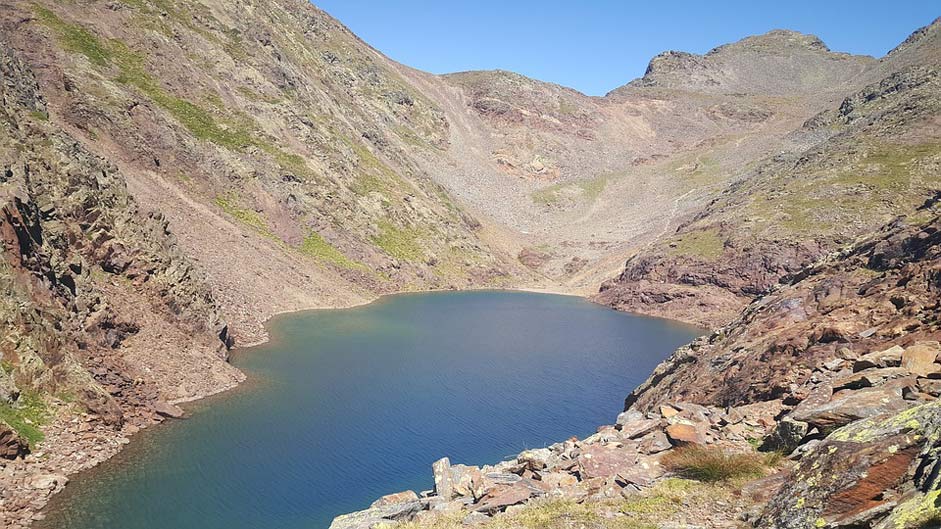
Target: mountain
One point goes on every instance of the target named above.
(175, 172)
(841, 174)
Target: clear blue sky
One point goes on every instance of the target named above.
(598, 45)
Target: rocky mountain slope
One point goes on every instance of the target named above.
(842, 174)
(175, 172)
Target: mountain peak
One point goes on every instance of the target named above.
(777, 40)
(771, 62)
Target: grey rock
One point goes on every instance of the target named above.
(786, 436)
(444, 486)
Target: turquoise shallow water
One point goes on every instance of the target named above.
(343, 406)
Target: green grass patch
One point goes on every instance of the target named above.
(592, 189)
(39, 115)
(548, 196)
(315, 246)
(588, 190)
(26, 416)
(400, 243)
(707, 244)
(76, 38)
(711, 464)
(248, 217)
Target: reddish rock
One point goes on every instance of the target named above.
(500, 498)
(467, 481)
(165, 409)
(654, 442)
(12, 445)
(856, 476)
(920, 358)
(891, 357)
(638, 429)
(668, 411)
(684, 434)
(605, 461)
(394, 499)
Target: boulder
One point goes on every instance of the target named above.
(165, 409)
(500, 498)
(598, 461)
(786, 436)
(891, 357)
(377, 516)
(871, 473)
(869, 378)
(535, 459)
(654, 442)
(444, 486)
(683, 433)
(48, 481)
(8, 390)
(467, 481)
(642, 475)
(629, 416)
(638, 429)
(848, 406)
(920, 358)
(397, 498)
(557, 480)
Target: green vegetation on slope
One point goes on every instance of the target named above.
(315, 246)
(707, 244)
(588, 190)
(400, 243)
(250, 218)
(26, 416)
(235, 133)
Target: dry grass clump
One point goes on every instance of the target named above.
(712, 464)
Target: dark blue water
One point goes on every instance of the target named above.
(344, 406)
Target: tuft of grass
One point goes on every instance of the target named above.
(400, 243)
(315, 246)
(711, 464)
(26, 416)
